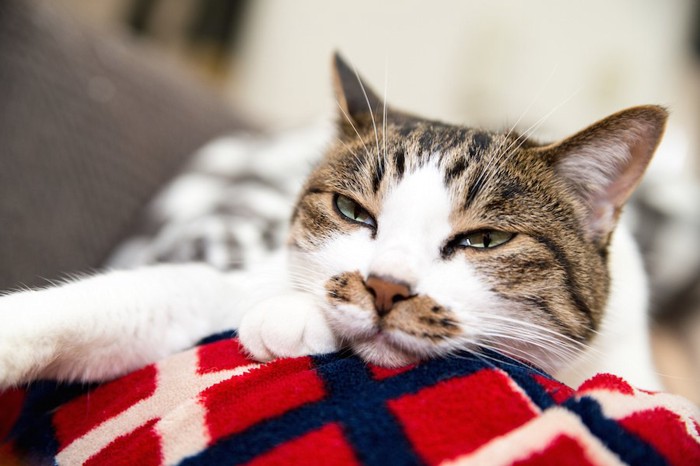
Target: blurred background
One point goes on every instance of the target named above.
(265, 64)
(489, 62)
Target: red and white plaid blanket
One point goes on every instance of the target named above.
(212, 405)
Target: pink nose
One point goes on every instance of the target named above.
(387, 291)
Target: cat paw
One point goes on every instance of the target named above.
(18, 367)
(27, 349)
(286, 326)
(23, 358)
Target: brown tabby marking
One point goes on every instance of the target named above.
(349, 287)
(561, 201)
(419, 316)
(549, 267)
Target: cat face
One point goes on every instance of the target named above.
(423, 238)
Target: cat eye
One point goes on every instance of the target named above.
(353, 211)
(485, 239)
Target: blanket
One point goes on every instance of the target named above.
(213, 405)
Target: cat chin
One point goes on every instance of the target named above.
(391, 350)
(380, 352)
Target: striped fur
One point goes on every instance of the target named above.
(543, 293)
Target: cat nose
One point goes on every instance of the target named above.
(387, 291)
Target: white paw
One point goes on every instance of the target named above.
(26, 350)
(23, 359)
(286, 326)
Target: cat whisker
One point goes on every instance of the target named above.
(311, 273)
(544, 338)
(299, 286)
(477, 350)
(565, 352)
(510, 151)
(535, 339)
(519, 323)
(491, 170)
(349, 120)
(301, 277)
(548, 361)
(506, 332)
(305, 286)
(523, 113)
(348, 148)
(307, 280)
(475, 353)
(371, 111)
(535, 126)
(384, 110)
(353, 153)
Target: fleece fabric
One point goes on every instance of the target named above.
(213, 405)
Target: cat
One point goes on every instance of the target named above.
(410, 239)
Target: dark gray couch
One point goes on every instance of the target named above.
(90, 128)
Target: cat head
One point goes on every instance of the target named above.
(423, 238)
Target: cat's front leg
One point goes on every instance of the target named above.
(28, 339)
(103, 326)
(286, 325)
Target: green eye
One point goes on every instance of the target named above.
(485, 239)
(353, 211)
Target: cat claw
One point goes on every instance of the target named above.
(286, 326)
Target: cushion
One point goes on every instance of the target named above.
(213, 405)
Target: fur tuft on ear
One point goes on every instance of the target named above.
(358, 103)
(605, 162)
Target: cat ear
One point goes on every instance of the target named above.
(605, 162)
(358, 103)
